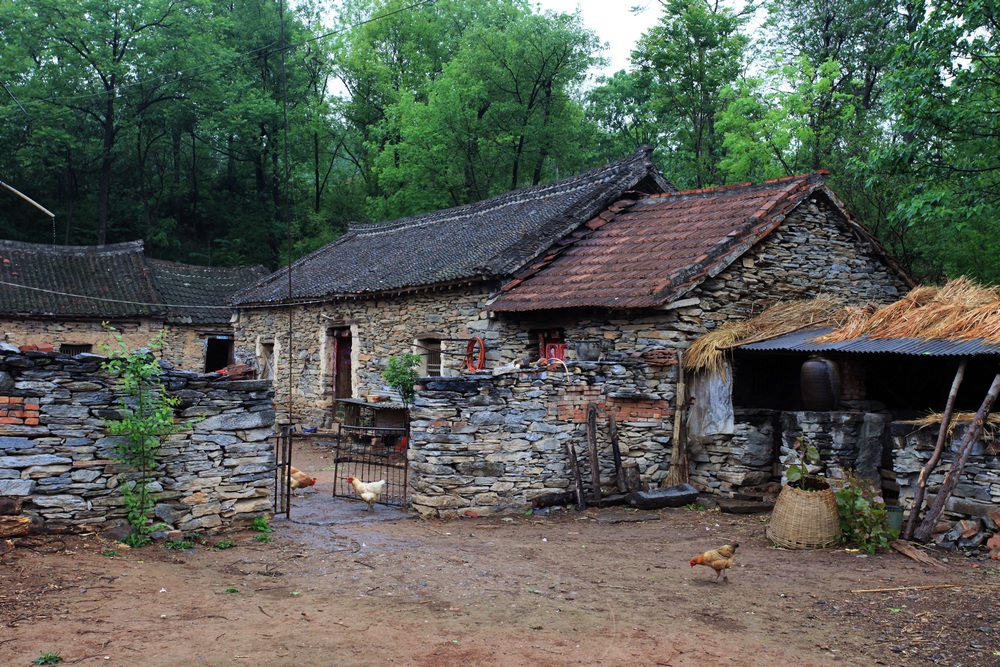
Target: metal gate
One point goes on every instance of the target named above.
(371, 453)
(283, 472)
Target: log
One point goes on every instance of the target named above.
(678, 471)
(617, 453)
(574, 465)
(10, 505)
(918, 494)
(923, 532)
(14, 526)
(633, 481)
(595, 463)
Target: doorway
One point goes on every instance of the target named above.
(218, 353)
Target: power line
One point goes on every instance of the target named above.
(189, 74)
(99, 298)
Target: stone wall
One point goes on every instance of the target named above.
(55, 451)
(490, 443)
(977, 493)
(183, 345)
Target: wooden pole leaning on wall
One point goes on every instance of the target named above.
(595, 463)
(678, 471)
(926, 528)
(918, 494)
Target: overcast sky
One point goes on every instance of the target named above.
(613, 23)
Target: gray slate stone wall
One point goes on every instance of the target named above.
(977, 493)
(215, 474)
(490, 444)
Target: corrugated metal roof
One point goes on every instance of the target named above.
(804, 341)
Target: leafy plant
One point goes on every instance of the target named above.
(261, 525)
(400, 374)
(263, 538)
(178, 545)
(224, 544)
(232, 590)
(863, 516)
(146, 415)
(110, 553)
(801, 461)
(47, 658)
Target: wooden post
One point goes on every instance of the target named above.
(14, 526)
(678, 471)
(574, 465)
(633, 481)
(918, 494)
(595, 464)
(616, 452)
(923, 532)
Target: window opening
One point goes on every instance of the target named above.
(218, 353)
(429, 350)
(552, 344)
(266, 361)
(74, 348)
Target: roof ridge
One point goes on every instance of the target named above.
(53, 249)
(804, 177)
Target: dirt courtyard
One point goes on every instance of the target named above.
(600, 587)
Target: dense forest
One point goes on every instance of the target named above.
(227, 131)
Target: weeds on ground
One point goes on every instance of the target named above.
(224, 544)
(179, 545)
(263, 538)
(261, 525)
(47, 658)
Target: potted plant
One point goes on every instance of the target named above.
(805, 513)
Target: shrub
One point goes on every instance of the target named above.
(863, 517)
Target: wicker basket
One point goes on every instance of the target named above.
(804, 519)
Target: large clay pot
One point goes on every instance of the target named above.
(819, 381)
(805, 519)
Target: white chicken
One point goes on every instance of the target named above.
(370, 492)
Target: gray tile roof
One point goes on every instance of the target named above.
(113, 281)
(490, 239)
(200, 294)
(48, 281)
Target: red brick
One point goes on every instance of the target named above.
(10, 420)
(16, 399)
(45, 347)
(27, 348)
(31, 406)
(31, 421)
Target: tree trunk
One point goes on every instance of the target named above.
(923, 533)
(918, 495)
(678, 471)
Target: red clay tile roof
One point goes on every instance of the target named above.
(646, 253)
(487, 240)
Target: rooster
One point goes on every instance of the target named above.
(719, 560)
(370, 492)
(300, 480)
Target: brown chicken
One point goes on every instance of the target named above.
(370, 492)
(300, 480)
(720, 560)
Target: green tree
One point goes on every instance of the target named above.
(688, 61)
(945, 149)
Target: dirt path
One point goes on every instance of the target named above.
(607, 587)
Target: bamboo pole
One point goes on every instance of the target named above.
(918, 495)
(923, 532)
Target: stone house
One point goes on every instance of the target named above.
(620, 299)
(419, 284)
(60, 296)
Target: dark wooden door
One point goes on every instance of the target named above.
(340, 353)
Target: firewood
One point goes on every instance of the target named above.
(911, 551)
(14, 526)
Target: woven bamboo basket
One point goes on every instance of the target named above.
(804, 519)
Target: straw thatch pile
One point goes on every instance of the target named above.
(708, 352)
(960, 310)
